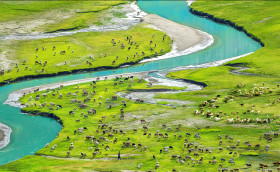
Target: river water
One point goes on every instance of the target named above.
(31, 133)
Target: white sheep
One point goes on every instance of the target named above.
(217, 119)
(139, 166)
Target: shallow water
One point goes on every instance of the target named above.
(31, 133)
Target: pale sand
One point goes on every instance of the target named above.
(183, 36)
(185, 39)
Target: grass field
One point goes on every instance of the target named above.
(237, 93)
(263, 25)
(85, 51)
(160, 114)
(51, 16)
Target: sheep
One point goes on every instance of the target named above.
(231, 120)
(83, 155)
(166, 149)
(53, 148)
(182, 162)
(231, 161)
(47, 145)
(217, 119)
(139, 166)
(143, 121)
(157, 165)
(248, 165)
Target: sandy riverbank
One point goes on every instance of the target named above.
(183, 36)
(186, 40)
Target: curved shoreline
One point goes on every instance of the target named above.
(226, 22)
(141, 73)
(197, 39)
(133, 18)
(210, 64)
(5, 133)
(204, 41)
(13, 97)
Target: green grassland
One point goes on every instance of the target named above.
(85, 51)
(263, 24)
(155, 115)
(81, 13)
(258, 94)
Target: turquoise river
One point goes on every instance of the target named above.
(31, 133)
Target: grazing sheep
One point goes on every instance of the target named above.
(157, 165)
(53, 148)
(139, 166)
(83, 155)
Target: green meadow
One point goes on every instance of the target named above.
(100, 97)
(232, 108)
(85, 51)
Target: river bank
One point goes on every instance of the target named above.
(186, 39)
(13, 99)
(178, 33)
(160, 67)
